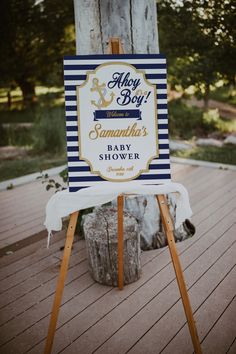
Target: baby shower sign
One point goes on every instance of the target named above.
(117, 121)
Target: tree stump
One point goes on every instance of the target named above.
(100, 230)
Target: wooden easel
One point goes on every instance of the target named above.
(115, 47)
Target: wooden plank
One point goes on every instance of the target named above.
(34, 253)
(168, 227)
(109, 302)
(223, 333)
(36, 280)
(207, 313)
(214, 268)
(232, 348)
(136, 326)
(27, 251)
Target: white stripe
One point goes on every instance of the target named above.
(71, 124)
(83, 163)
(162, 121)
(162, 111)
(75, 143)
(151, 181)
(71, 103)
(71, 113)
(84, 72)
(79, 82)
(89, 174)
(74, 103)
(73, 92)
(162, 101)
(101, 61)
(75, 133)
(72, 143)
(161, 91)
(70, 92)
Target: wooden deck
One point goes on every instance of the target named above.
(147, 316)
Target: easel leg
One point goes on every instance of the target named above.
(60, 282)
(120, 207)
(168, 226)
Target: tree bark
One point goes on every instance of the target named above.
(28, 91)
(134, 21)
(100, 231)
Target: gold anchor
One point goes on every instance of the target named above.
(102, 91)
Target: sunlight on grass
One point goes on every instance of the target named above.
(225, 154)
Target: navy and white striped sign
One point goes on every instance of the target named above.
(76, 70)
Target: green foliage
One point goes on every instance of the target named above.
(198, 37)
(49, 132)
(16, 135)
(34, 37)
(225, 94)
(225, 154)
(186, 122)
(29, 164)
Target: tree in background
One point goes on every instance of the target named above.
(198, 37)
(34, 37)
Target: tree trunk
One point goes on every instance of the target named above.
(206, 97)
(28, 91)
(134, 21)
(100, 230)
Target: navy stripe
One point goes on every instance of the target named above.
(145, 177)
(163, 146)
(159, 97)
(161, 106)
(76, 189)
(114, 56)
(79, 169)
(162, 116)
(159, 167)
(73, 87)
(160, 157)
(85, 179)
(162, 136)
(71, 108)
(70, 88)
(72, 138)
(94, 66)
(72, 148)
(97, 178)
(71, 119)
(87, 168)
(83, 77)
(162, 126)
(72, 129)
(70, 98)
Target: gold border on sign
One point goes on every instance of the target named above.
(79, 130)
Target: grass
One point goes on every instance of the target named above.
(188, 122)
(46, 98)
(16, 168)
(225, 154)
(225, 94)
